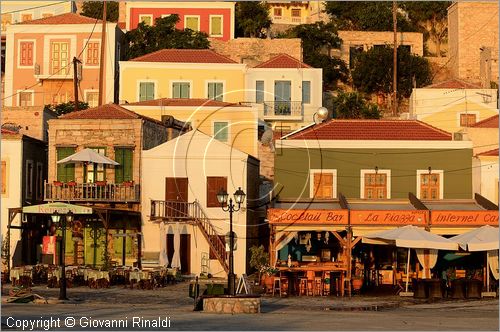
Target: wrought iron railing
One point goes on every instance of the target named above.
(282, 108)
(126, 192)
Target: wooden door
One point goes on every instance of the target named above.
(185, 253)
(176, 197)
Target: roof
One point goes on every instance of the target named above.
(283, 61)
(491, 122)
(372, 130)
(179, 102)
(68, 18)
(454, 83)
(107, 111)
(184, 56)
(490, 153)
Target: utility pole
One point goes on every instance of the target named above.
(102, 58)
(76, 79)
(395, 61)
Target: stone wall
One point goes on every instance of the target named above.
(253, 51)
(266, 156)
(154, 134)
(473, 40)
(232, 305)
(32, 120)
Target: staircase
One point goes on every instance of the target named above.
(183, 211)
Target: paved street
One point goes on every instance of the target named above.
(304, 313)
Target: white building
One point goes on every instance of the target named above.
(179, 191)
(485, 173)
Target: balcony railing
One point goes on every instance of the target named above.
(283, 110)
(174, 210)
(126, 192)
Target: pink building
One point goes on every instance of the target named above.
(39, 69)
(214, 18)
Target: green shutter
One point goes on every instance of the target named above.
(65, 172)
(123, 172)
(119, 168)
(218, 91)
(176, 93)
(185, 90)
(216, 26)
(221, 131)
(259, 91)
(306, 92)
(146, 91)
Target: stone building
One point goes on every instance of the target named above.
(473, 41)
(28, 120)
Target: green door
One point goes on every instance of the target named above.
(94, 249)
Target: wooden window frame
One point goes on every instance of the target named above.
(219, 97)
(89, 92)
(96, 170)
(221, 26)
(211, 201)
(20, 62)
(276, 10)
(312, 191)
(421, 172)
(467, 115)
(192, 16)
(295, 10)
(155, 89)
(190, 86)
(363, 172)
(25, 92)
(61, 70)
(90, 44)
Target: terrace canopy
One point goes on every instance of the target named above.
(87, 156)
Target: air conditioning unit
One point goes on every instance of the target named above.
(37, 69)
(458, 136)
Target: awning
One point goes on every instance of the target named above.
(60, 207)
(88, 155)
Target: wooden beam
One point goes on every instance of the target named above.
(353, 243)
(341, 240)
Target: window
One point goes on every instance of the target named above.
(180, 89)
(429, 186)
(214, 184)
(92, 98)
(25, 98)
(406, 48)
(306, 92)
(375, 186)
(467, 120)
(26, 17)
(26, 53)
(215, 91)
(92, 54)
(222, 238)
(278, 11)
(95, 172)
(216, 25)
(29, 178)
(4, 177)
(354, 52)
(192, 22)
(6, 21)
(146, 19)
(59, 58)
(39, 180)
(295, 12)
(123, 172)
(65, 172)
(146, 91)
(45, 15)
(221, 130)
(259, 92)
(323, 184)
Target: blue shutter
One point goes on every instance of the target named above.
(306, 92)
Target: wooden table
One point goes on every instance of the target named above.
(293, 271)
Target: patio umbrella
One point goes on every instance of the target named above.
(176, 259)
(89, 156)
(410, 237)
(484, 238)
(163, 245)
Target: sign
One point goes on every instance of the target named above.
(60, 207)
(49, 245)
(243, 285)
(389, 217)
(307, 217)
(464, 218)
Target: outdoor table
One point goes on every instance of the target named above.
(434, 288)
(314, 268)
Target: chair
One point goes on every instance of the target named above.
(276, 282)
(318, 284)
(310, 282)
(326, 283)
(303, 285)
(399, 283)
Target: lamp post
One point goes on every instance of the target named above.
(222, 198)
(68, 218)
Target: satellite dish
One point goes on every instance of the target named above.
(267, 138)
(321, 114)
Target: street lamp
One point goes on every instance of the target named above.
(222, 198)
(68, 218)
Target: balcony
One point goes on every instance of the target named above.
(283, 110)
(126, 192)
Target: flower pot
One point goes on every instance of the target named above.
(267, 281)
(357, 284)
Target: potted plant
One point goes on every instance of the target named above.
(258, 259)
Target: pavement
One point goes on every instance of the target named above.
(91, 309)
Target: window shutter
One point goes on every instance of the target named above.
(65, 172)
(176, 93)
(218, 91)
(211, 91)
(214, 184)
(259, 91)
(216, 26)
(119, 168)
(127, 164)
(142, 92)
(306, 92)
(150, 91)
(185, 90)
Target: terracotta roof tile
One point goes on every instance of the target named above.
(454, 84)
(68, 18)
(491, 122)
(283, 61)
(185, 56)
(372, 130)
(490, 153)
(183, 102)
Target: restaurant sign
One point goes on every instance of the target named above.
(388, 217)
(464, 218)
(60, 207)
(301, 217)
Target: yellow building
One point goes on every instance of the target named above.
(176, 73)
(296, 12)
(454, 105)
(230, 123)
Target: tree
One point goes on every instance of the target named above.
(318, 40)
(366, 15)
(94, 9)
(252, 19)
(351, 105)
(146, 39)
(65, 108)
(431, 19)
(373, 69)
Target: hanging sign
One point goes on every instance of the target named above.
(302, 217)
(464, 218)
(389, 217)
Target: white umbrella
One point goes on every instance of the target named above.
(163, 245)
(176, 259)
(410, 237)
(484, 238)
(89, 156)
